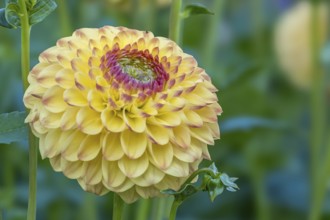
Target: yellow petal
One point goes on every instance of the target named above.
(170, 182)
(89, 147)
(83, 81)
(158, 134)
(112, 176)
(51, 146)
(78, 65)
(192, 119)
(50, 120)
(203, 134)
(178, 169)
(70, 143)
(93, 174)
(161, 155)
(214, 128)
(97, 189)
(96, 100)
(133, 144)
(170, 119)
(75, 97)
(147, 192)
(129, 196)
(65, 78)
(111, 147)
(56, 163)
(126, 185)
(207, 114)
(133, 168)
(68, 120)
(135, 123)
(89, 121)
(46, 76)
(190, 154)
(73, 170)
(112, 121)
(53, 100)
(181, 136)
(152, 176)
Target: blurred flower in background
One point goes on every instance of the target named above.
(293, 42)
(121, 110)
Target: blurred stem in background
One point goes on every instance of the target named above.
(88, 211)
(212, 35)
(118, 207)
(64, 16)
(175, 21)
(257, 27)
(258, 43)
(318, 122)
(143, 209)
(25, 65)
(144, 14)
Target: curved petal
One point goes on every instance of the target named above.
(158, 134)
(178, 169)
(133, 144)
(152, 176)
(89, 121)
(89, 147)
(161, 155)
(53, 100)
(112, 121)
(181, 136)
(135, 123)
(112, 176)
(111, 147)
(133, 168)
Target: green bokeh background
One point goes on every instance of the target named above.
(265, 125)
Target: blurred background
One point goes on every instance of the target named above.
(258, 55)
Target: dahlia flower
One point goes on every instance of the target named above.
(293, 41)
(121, 110)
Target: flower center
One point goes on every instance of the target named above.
(133, 70)
(138, 68)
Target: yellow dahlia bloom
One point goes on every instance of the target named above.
(293, 41)
(121, 110)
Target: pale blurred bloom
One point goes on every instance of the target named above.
(121, 110)
(293, 41)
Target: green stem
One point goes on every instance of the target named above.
(118, 206)
(143, 209)
(175, 21)
(25, 65)
(64, 17)
(318, 112)
(174, 209)
(261, 199)
(159, 208)
(212, 35)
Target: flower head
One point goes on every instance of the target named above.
(293, 41)
(121, 110)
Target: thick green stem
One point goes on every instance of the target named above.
(318, 112)
(64, 17)
(143, 209)
(175, 21)
(174, 209)
(25, 66)
(118, 207)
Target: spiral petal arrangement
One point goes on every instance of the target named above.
(121, 110)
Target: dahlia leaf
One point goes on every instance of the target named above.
(3, 20)
(12, 14)
(195, 9)
(12, 127)
(41, 9)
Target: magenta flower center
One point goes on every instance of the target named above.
(134, 70)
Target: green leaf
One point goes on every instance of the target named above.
(3, 20)
(12, 127)
(12, 14)
(37, 11)
(195, 9)
(41, 10)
